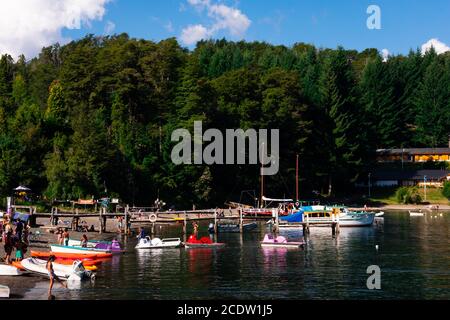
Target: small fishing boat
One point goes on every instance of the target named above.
(90, 244)
(70, 256)
(75, 272)
(9, 270)
(4, 292)
(270, 241)
(234, 228)
(204, 242)
(379, 214)
(77, 250)
(113, 246)
(156, 243)
(416, 213)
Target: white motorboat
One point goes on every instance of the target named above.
(379, 214)
(156, 243)
(74, 272)
(8, 270)
(417, 213)
(4, 291)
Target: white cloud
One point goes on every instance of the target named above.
(223, 17)
(109, 28)
(193, 34)
(439, 46)
(28, 25)
(385, 54)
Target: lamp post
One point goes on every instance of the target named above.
(425, 186)
(369, 183)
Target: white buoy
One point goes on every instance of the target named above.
(376, 247)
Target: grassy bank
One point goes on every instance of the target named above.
(387, 196)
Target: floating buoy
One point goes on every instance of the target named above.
(376, 247)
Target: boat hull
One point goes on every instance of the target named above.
(204, 245)
(77, 250)
(234, 228)
(161, 244)
(293, 245)
(70, 256)
(61, 271)
(349, 220)
(7, 270)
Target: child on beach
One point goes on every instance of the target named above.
(19, 251)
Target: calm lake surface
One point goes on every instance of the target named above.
(413, 254)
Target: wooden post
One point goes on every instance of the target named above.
(52, 218)
(100, 218)
(338, 225)
(307, 223)
(241, 221)
(185, 224)
(215, 221)
(105, 220)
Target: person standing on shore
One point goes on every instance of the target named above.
(119, 224)
(8, 243)
(52, 275)
(60, 233)
(84, 241)
(66, 237)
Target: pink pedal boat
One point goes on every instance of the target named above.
(271, 241)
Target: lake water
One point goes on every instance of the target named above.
(413, 254)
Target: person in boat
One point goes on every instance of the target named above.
(66, 237)
(84, 241)
(52, 275)
(195, 226)
(142, 234)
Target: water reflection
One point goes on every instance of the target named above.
(413, 255)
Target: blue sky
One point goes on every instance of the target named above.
(405, 24)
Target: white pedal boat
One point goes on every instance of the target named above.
(8, 270)
(280, 242)
(416, 214)
(75, 272)
(156, 243)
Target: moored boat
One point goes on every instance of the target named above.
(113, 246)
(204, 242)
(234, 228)
(75, 272)
(270, 241)
(71, 256)
(156, 243)
(416, 213)
(77, 250)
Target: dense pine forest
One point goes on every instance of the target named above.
(95, 117)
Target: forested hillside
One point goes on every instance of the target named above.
(97, 115)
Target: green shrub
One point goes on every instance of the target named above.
(405, 195)
(401, 194)
(446, 190)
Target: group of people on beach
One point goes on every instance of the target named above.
(15, 234)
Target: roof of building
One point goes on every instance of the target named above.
(410, 174)
(414, 151)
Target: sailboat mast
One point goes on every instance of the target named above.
(262, 177)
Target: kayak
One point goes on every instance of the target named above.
(75, 272)
(71, 256)
(89, 267)
(9, 270)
